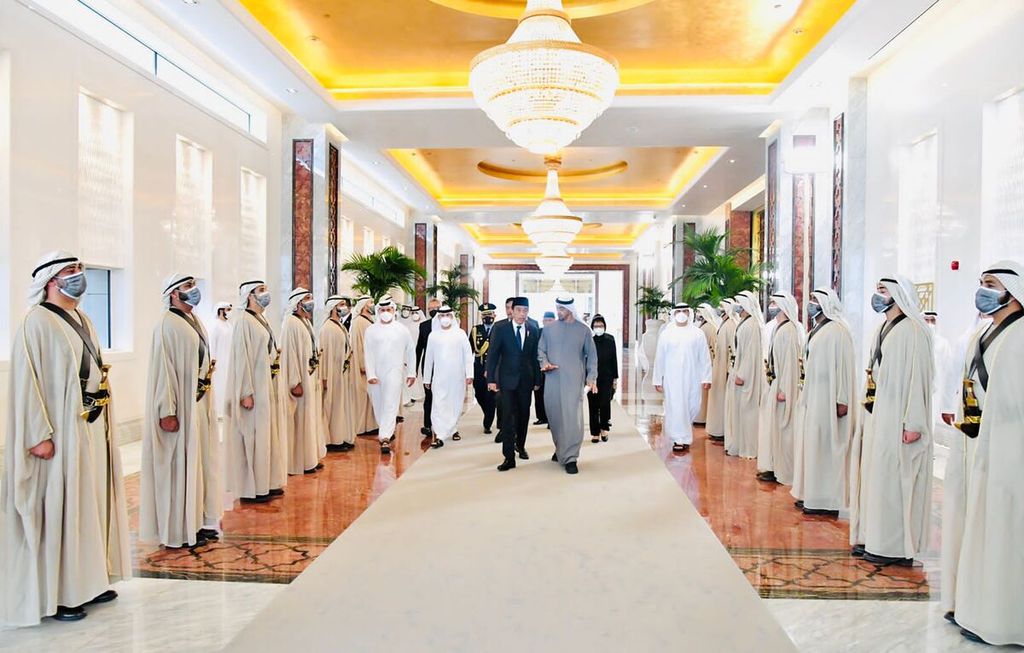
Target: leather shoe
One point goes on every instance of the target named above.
(767, 477)
(65, 613)
(507, 465)
(857, 551)
(540, 421)
(885, 561)
(571, 468)
(971, 637)
(425, 430)
(950, 617)
(554, 457)
(820, 511)
(277, 492)
(799, 504)
(523, 455)
(497, 438)
(487, 430)
(207, 533)
(105, 597)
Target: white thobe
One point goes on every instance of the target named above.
(303, 420)
(720, 377)
(390, 357)
(414, 392)
(220, 350)
(447, 364)
(681, 366)
(742, 402)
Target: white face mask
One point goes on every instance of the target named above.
(343, 311)
(385, 316)
(598, 331)
(416, 317)
(681, 317)
(446, 321)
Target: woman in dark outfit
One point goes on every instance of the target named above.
(607, 381)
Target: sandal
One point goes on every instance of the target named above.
(437, 444)
(456, 437)
(678, 448)
(604, 436)
(385, 448)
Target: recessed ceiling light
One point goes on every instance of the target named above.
(291, 90)
(732, 160)
(798, 31)
(817, 84)
(376, 163)
(683, 206)
(705, 185)
(314, 38)
(191, 2)
(634, 130)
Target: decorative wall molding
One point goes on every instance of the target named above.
(302, 213)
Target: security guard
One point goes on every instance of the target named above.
(479, 337)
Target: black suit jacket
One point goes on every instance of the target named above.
(421, 342)
(507, 365)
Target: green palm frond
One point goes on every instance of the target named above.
(715, 273)
(652, 301)
(453, 288)
(379, 273)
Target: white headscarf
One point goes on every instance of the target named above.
(47, 268)
(710, 315)
(831, 306)
(360, 305)
(1011, 275)
(748, 301)
(787, 303)
(172, 282)
(331, 303)
(730, 312)
(569, 304)
(295, 298)
(222, 305)
(682, 306)
(905, 295)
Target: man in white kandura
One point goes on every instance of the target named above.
(776, 437)
(708, 321)
(302, 389)
(720, 361)
(568, 359)
(253, 435)
(416, 392)
(447, 372)
(220, 350)
(825, 413)
(365, 420)
(746, 379)
(390, 356)
(682, 368)
(65, 523)
(990, 573)
(891, 461)
(336, 373)
(174, 497)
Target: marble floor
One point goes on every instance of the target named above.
(825, 600)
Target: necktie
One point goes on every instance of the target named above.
(519, 336)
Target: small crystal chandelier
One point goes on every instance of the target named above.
(552, 226)
(543, 87)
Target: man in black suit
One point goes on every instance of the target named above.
(421, 349)
(508, 318)
(513, 371)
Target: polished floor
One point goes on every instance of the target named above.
(825, 600)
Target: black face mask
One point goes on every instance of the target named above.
(433, 312)
(488, 320)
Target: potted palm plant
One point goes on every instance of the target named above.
(652, 302)
(379, 273)
(715, 274)
(453, 288)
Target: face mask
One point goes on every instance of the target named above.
(416, 317)
(386, 316)
(990, 300)
(681, 317)
(881, 304)
(307, 306)
(192, 297)
(73, 285)
(433, 312)
(488, 320)
(737, 309)
(343, 311)
(773, 312)
(721, 312)
(598, 331)
(446, 322)
(263, 299)
(813, 311)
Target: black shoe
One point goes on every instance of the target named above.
(336, 448)
(385, 448)
(950, 617)
(201, 540)
(857, 551)
(259, 498)
(277, 492)
(437, 444)
(885, 561)
(716, 438)
(69, 614)
(105, 597)
(571, 468)
(399, 419)
(767, 477)
(393, 437)
(523, 455)
(507, 465)
(487, 430)
(799, 504)
(425, 430)
(310, 471)
(497, 438)
(820, 511)
(208, 533)
(554, 457)
(540, 421)
(968, 635)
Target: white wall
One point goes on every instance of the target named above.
(48, 67)
(943, 80)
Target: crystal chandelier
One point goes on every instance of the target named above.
(554, 266)
(543, 87)
(552, 226)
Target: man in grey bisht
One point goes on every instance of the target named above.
(568, 359)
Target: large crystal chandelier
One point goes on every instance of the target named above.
(554, 266)
(543, 87)
(552, 226)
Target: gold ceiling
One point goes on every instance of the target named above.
(594, 234)
(590, 176)
(422, 48)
